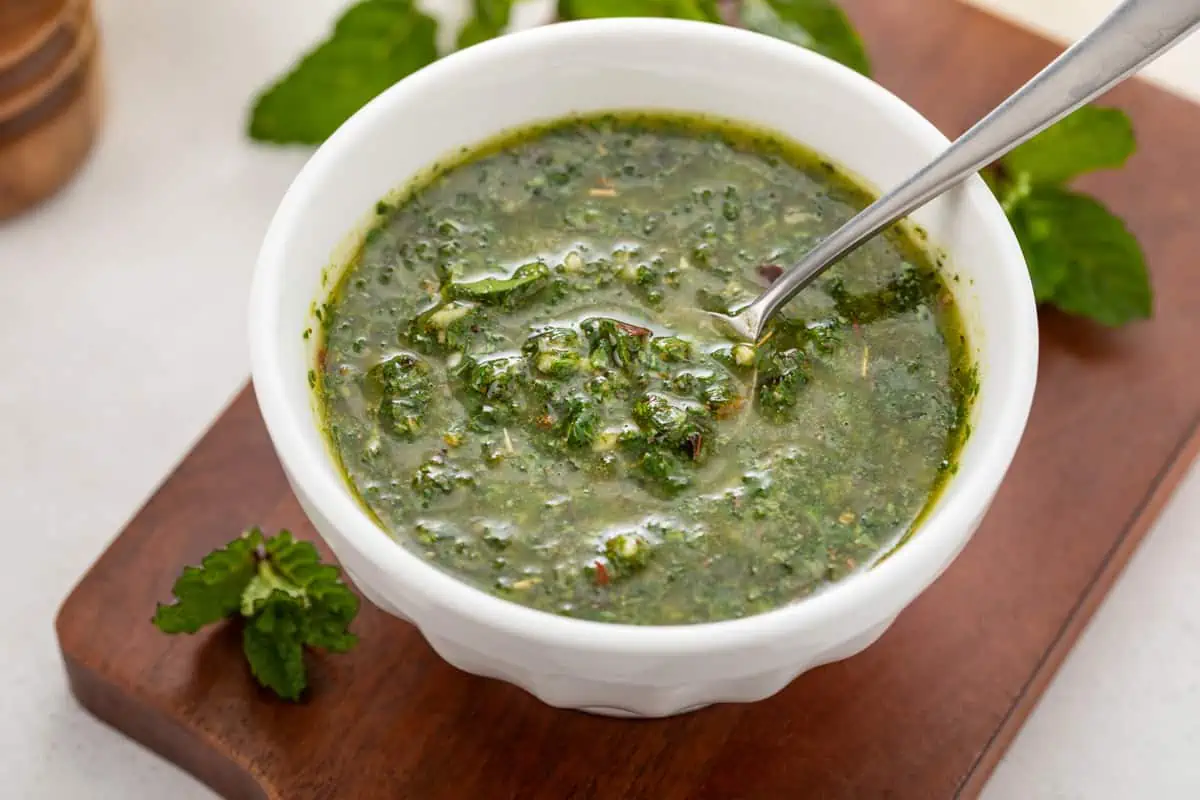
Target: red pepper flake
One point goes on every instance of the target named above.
(770, 272)
(695, 443)
(729, 409)
(633, 330)
(601, 574)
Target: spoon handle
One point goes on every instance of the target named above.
(1133, 35)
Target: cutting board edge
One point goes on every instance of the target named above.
(138, 719)
(129, 712)
(1142, 520)
(121, 705)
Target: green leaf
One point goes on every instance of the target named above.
(1046, 271)
(525, 282)
(212, 591)
(818, 25)
(1082, 258)
(702, 10)
(329, 603)
(489, 20)
(287, 598)
(273, 643)
(373, 45)
(405, 390)
(1092, 138)
(263, 585)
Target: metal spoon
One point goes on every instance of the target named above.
(1133, 35)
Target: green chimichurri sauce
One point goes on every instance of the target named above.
(521, 385)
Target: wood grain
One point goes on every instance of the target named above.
(924, 713)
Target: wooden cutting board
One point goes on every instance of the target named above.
(925, 713)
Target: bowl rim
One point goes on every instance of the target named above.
(937, 536)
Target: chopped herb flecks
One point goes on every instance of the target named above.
(522, 383)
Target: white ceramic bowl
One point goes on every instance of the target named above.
(633, 64)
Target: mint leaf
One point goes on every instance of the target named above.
(1084, 258)
(1081, 257)
(212, 591)
(263, 585)
(1046, 269)
(818, 25)
(329, 621)
(373, 45)
(285, 596)
(330, 605)
(489, 20)
(273, 643)
(1091, 138)
(702, 10)
(294, 601)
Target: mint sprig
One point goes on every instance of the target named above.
(285, 597)
(489, 19)
(818, 25)
(373, 45)
(1090, 139)
(698, 10)
(1082, 259)
(212, 591)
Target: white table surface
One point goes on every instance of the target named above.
(122, 333)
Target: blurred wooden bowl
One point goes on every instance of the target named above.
(50, 105)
